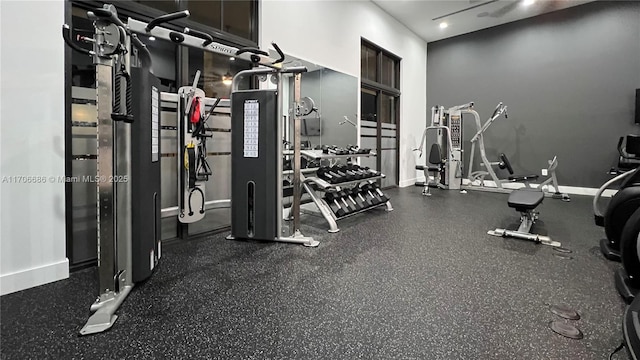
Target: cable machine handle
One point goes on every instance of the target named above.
(145, 55)
(251, 50)
(166, 18)
(106, 14)
(66, 35)
(281, 59)
(208, 39)
(497, 109)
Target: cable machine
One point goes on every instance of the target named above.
(128, 136)
(128, 181)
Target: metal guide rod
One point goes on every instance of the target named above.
(295, 206)
(139, 27)
(106, 206)
(279, 160)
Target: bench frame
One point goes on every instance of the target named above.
(528, 217)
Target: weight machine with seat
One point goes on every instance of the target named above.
(445, 156)
(480, 175)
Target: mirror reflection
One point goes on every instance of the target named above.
(333, 96)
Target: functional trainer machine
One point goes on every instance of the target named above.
(256, 152)
(128, 181)
(129, 148)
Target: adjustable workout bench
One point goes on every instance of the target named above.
(525, 201)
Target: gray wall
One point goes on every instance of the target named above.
(568, 79)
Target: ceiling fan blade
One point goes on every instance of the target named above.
(505, 9)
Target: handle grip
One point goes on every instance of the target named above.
(208, 39)
(166, 18)
(145, 55)
(251, 50)
(275, 46)
(66, 35)
(106, 14)
(495, 112)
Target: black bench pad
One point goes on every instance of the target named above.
(525, 199)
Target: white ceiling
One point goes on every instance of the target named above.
(465, 16)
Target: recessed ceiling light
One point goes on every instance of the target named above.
(232, 58)
(529, 2)
(444, 25)
(152, 38)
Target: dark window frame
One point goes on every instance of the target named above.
(384, 89)
(146, 13)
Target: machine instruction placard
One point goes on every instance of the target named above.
(155, 128)
(251, 128)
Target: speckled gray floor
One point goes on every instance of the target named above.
(421, 282)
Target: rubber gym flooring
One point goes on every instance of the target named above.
(421, 282)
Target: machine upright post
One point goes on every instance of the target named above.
(295, 205)
(106, 207)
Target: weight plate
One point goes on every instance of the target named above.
(564, 311)
(566, 330)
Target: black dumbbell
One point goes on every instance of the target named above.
(358, 198)
(376, 191)
(371, 173)
(342, 174)
(350, 175)
(351, 201)
(360, 171)
(370, 196)
(348, 206)
(331, 176)
(333, 203)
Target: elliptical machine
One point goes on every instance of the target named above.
(628, 278)
(620, 209)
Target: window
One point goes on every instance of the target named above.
(163, 5)
(206, 12)
(226, 20)
(380, 108)
(379, 67)
(237, 19)
(368, 63)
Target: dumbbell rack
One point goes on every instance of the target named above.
(315, 187)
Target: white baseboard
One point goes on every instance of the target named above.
(571, 190)
(410, 182)
(25, 279)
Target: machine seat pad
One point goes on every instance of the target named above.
(420, 167)
(434, 168)
(525, 199)
(523, 177)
